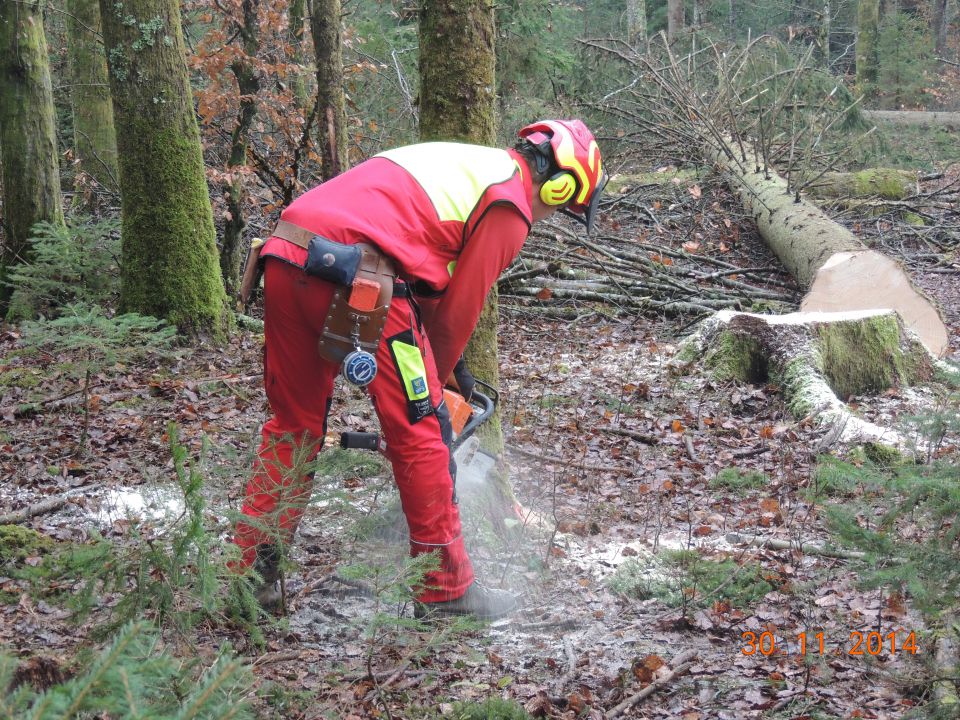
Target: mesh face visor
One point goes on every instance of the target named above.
(586, 214)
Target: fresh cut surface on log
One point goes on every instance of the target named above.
(868, 280)
(839, 272)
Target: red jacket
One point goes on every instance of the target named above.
(451, 215)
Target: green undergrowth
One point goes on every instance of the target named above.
(134, 676)
(175, 571)
(492, 708)
(901, 515)
(686, 579)
(739, 481)
(903, 146)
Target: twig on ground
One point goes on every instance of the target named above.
(773, 544)
(680, 664)
(645, 438)
(41, 508)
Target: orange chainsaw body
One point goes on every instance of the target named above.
(460, 410)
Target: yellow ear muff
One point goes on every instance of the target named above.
(559, 189)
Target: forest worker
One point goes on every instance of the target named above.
(346, 271)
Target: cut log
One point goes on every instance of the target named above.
(838, 271)
(868, 279)
(886, 183)
(948, 120)
(816, 358)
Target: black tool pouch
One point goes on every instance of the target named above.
(332, 261)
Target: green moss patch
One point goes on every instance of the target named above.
(737, 356)
(739, 481)
(869, 357)
(685, 577)
(18, 543)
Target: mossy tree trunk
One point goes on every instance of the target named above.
(28, 141)
(331, 106)
(675, 18)
(823, 35)
(235, 187)
(818, 359)
(296, 14)
(868, 32)
(94, 138)
(636, 21)
(457, 102)
(169, 257)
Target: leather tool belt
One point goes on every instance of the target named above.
(364, 278)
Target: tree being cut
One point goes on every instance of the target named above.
(739, 114)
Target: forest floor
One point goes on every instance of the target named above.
(608, 596)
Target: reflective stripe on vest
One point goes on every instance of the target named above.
(454, 175)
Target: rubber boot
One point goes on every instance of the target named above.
(267, 566)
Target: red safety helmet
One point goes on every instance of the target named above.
(569, 148)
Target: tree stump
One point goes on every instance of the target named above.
(817, 359)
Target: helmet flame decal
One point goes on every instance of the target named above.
(574, 150)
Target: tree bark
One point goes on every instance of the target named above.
(457, 102)
(331, 109)
(94, 139)
(699, 13)
(457, 65)
(169, 255)
(28, 141)
(675, 18)
(868, 32)
(837, 270)
(914, 117)
(886, 183)
(823, 35)
(235, 188)
(296, 14)
(941, 23)
(636, 21)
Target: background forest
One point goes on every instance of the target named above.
(705, 515)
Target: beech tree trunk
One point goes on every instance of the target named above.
(331, 108)
(28, 141)
(941, 23)
(457, 102)
(868, 32)
(235, 188)
(675, 18)
(837, 270)
(170, 267)
(94, 138)
(636, 21)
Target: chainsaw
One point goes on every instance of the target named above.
(465, 417)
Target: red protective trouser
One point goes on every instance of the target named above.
(299, 384)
